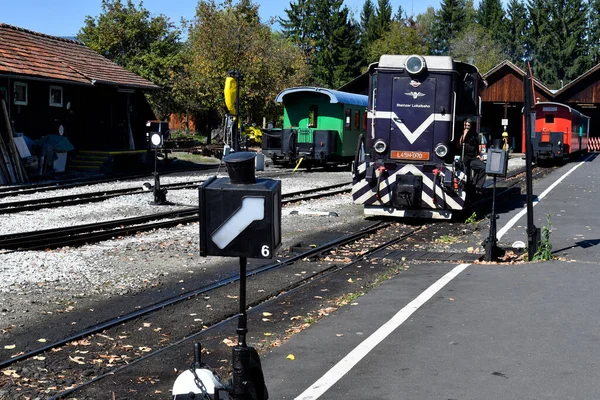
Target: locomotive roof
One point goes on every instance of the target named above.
(434, 63)
(335, 96)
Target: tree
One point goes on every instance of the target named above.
(475, 46)
(451, 20)
(490, 15)
(516, 27)
(331, 37)
(382, 18)
(139, 42)
(401, 38)
(558, 47)
(230, 37)
(368, 34)
(594, 32)
(425, 27)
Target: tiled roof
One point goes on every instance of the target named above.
(28, 53)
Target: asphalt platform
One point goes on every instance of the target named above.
(470, 331)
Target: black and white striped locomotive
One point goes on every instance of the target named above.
(409, 164)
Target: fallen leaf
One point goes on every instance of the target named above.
(78, 360)
(147, 324)
(339, 334)
(229, 342)
(291, 357)
(10, 346)
(42, 340)
(268, 334)
(267, 314)
(350, 280)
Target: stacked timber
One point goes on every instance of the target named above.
(12, 169)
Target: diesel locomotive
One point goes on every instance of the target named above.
(321, 126)
(409, 163)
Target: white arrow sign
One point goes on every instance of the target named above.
(252, 209)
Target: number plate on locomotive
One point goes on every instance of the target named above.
(410, 155)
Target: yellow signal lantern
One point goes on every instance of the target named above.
(230, 94)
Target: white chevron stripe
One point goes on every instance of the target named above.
(411, 136)
(450, 202)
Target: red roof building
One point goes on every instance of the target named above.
(54, 85)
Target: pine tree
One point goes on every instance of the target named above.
(516, 26)
(382, 17)
(490, 16)
(557, 40)
(299, 25)
(594, 32)
(451, 20)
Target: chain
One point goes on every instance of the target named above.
(200, 385)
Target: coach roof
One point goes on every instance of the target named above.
(335, 96)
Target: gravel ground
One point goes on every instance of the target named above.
(130, 265)
(133, 264)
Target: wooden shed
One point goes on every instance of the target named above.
(503, 102)
(60, 86)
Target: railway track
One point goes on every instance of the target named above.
(53, 354)
(90, 233)
(383, 235)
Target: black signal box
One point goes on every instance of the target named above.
(240, 216)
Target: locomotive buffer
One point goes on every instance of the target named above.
(240, 216)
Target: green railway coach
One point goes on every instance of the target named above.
(321, 126)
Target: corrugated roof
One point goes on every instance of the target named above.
(335, 96)
(27, 53)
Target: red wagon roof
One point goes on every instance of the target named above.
(26, 53)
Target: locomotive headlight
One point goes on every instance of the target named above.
(380, 146)
(415, 65)
(441, 150)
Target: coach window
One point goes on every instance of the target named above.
(364, 121)
(347, 120)
(313, 115)
(356, 119)
(20, 97)
(549, 118)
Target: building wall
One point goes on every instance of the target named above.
(95, 119)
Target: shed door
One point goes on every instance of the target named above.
(412, 119)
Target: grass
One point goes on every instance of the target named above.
(446, 239)
(193, 158)
(544, 252)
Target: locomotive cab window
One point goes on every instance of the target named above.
(347, 123)
(549, 118)
(313, 115)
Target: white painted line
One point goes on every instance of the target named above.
(514, 219)
(360, 351)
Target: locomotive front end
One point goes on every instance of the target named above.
(409, 164)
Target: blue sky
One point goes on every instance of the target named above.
(66, 17)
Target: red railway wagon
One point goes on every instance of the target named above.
(559, 131)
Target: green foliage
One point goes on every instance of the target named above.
(514, 35)
(490, 16)
(139, 42)
(229, 37)
(254, 134)
(472, 219)
(329, 39)
(475, 46)
(451, 19)
(557, 42)
(544, 252)
(402, 38)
